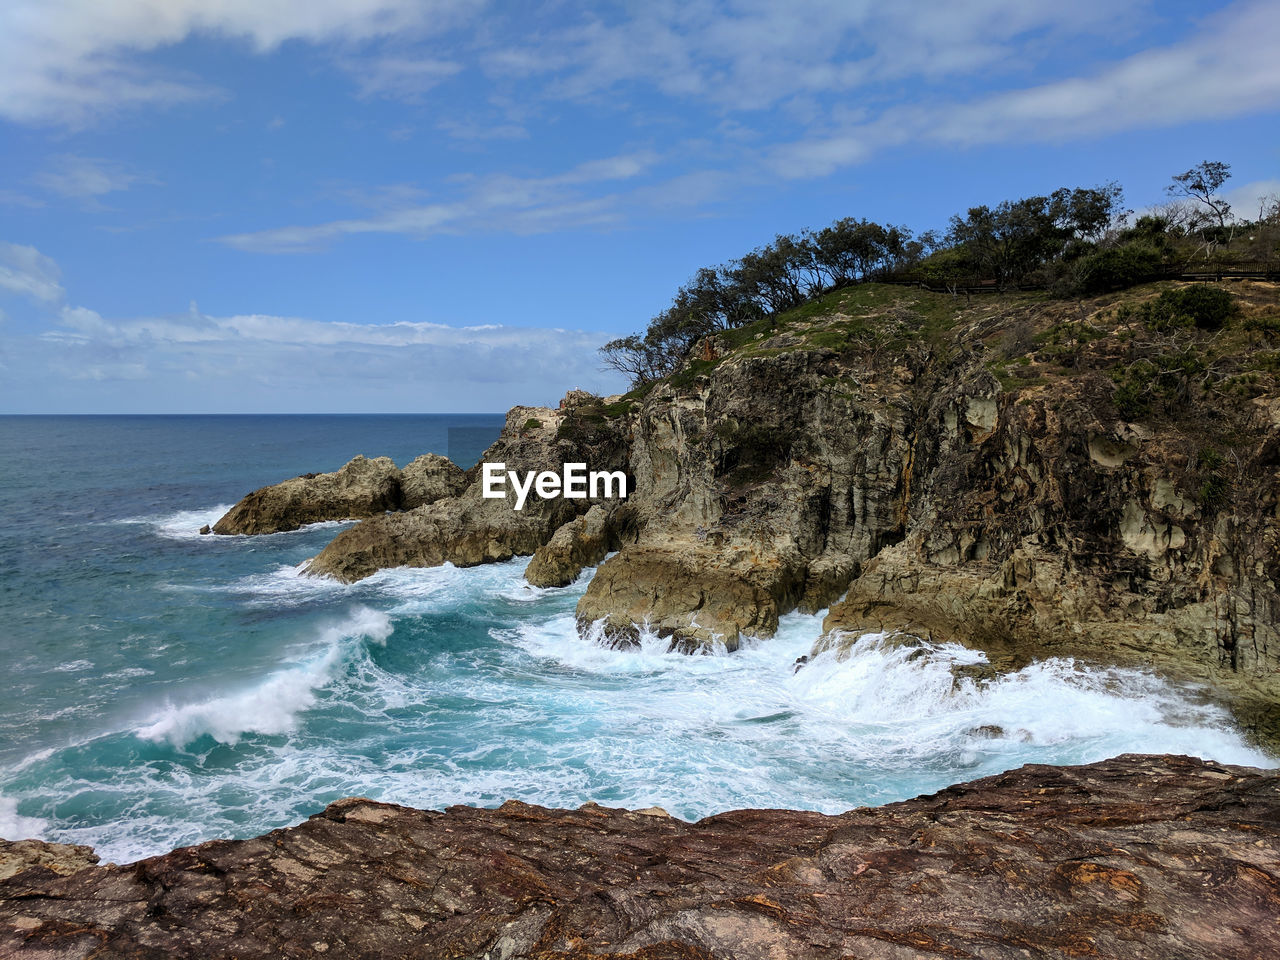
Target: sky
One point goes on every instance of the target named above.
(304, 206)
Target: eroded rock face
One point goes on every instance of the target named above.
(759, 487)
(429, 478)
(580, 543)
(939, 499)
(1159, 857)
(1055, 532)
(60, 858)
(469, 529)
(361, 488)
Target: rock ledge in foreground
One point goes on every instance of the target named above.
(1135, 857)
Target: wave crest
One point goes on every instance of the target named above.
(273, 706)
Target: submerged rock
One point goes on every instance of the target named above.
(1161, 857)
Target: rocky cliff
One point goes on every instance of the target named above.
(1137, 857)
(1093, 478)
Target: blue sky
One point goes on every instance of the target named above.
(444, 206)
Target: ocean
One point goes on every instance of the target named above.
(163, 688)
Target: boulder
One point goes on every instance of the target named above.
(429, 478)
(469, 528)
(580, 543)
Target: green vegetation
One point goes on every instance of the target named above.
(1201, 306)
(533, 423)
(1071, 243)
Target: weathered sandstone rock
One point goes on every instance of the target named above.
(673, 590)
(758, 488)
(429, 478)
(60, 858)
(580, 543)
(362, 488)
(469, 529)
(1135, 858)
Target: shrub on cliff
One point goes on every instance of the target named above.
(1117, 268)
(1200, 306)
(1159, 384)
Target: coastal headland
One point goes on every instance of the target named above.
(997, 472)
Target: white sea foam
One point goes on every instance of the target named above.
(128, 673)
(272, 706)
(548, 717)
(412, 590)
(895, 706)
(186, 524)
(900, 703)
(14, 826)
(74, 666)
(287, 583)
(425, 589)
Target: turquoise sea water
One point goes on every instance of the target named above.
(163, 688)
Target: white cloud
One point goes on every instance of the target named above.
(470, 130)
(1250, 199)
(294, 354)
(400, 77)
(1228, 69)
(752, 54)
(69, 61)
(13, 198)
(30, 274)
(194, 361)
(499, 203)
(85, 177)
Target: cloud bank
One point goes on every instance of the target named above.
(239, 363)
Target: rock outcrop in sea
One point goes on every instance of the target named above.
(1159, 857)
(1028, 476)
(361, 488)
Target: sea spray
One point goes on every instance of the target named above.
(14, 826)
(271, 707)
(236, 695)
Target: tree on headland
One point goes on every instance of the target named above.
(1010, 241)
(1073, 242)
(1201, 184)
